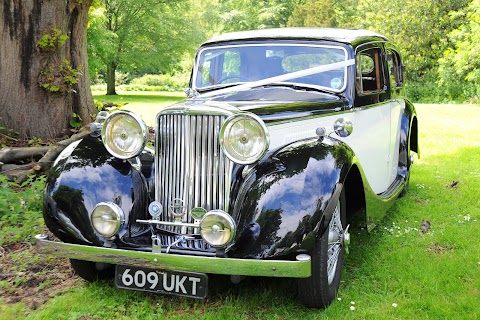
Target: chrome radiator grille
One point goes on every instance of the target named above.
(191, 169)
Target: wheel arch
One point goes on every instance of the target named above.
(355, 198)
(285, 204)
(413, 141)
(84, 177)
(414, 145)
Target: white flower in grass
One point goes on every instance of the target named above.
(339, 299)
(352, 302)
(467, 217)
(352, 308)
(394, 305)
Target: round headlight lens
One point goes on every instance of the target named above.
(107, 219)
(217, 228)
(124, 134)
(244, 138)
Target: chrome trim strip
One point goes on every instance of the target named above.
(169, 223)
(229, 266)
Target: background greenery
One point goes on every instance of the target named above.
(394, 272)
(134, 38)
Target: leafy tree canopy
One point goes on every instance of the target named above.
(139, 36)
(238, 15)
(461, 61)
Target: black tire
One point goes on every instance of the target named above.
(318, 291)
(406, 186)
(92, 271)
(407, 178)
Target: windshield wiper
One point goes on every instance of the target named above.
(218, 87)
(300, 86)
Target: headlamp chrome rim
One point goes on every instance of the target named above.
(113, 209)
(214, 219)
(107, 143)
(226, 127)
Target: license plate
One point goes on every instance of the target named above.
(186, 284)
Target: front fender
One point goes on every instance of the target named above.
(80, 179)
(286, 202)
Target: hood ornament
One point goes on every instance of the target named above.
(177, 207)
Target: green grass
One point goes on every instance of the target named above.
(428, 276)
(146, 104)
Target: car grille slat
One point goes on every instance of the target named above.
(191, 165)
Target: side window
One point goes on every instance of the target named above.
(395, 69)
(370, 73)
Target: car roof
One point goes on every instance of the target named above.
(348, 36)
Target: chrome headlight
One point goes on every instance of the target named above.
(244, 138)
(217, 228)
(107, 219)
(124, 134)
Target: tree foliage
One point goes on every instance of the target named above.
(416, 26)
(139, 36)
(238, 15)
(460, 65)
(313, 13)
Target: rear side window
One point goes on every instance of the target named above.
(370, 73)
(395, 69)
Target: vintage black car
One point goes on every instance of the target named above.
(288, 139)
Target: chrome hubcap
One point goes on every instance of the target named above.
(337, 238)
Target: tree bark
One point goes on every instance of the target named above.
(111, 67)
(31, 73)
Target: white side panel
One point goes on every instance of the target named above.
(370, 140)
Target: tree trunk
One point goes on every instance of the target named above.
(43, 70)
(111, 67)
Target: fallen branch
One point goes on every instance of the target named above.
(11, 155)
(58, 147)
(20, 173)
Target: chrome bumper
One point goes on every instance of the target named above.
(245, 267)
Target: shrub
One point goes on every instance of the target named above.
(20, 209)
(162, 82)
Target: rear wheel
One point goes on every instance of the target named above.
(320, 289)
(92, 271)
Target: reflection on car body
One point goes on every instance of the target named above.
(288, 139)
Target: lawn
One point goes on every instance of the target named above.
(394, 272)
(146, 104)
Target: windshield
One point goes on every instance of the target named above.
(223, 66)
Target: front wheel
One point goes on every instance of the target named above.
(319, 290)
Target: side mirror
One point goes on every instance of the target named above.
(343, 127)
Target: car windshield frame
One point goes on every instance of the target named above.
(342, 66)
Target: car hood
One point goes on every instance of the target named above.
(275, 103)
